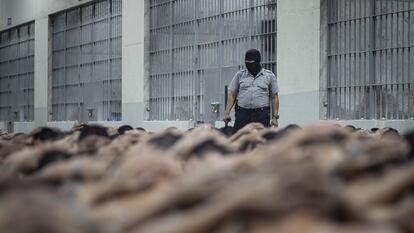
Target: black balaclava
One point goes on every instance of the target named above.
(253, 55)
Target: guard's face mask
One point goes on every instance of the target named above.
(252, 61)
(253, 67)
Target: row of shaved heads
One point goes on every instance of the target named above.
(318, 178)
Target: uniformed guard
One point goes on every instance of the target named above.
(250, 90)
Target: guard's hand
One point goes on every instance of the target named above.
(226, 118)
(275, 123)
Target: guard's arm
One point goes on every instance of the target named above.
(274, 99)
(275, 110)
(275, 104)
(231, 100)
(232, 96)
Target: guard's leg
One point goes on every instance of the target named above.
(263, 117)
(242, 119)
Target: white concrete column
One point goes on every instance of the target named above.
(133, 106)
(298, 53)
(41, 70)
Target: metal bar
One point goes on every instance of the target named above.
(220, 45)
(409, 115)
(172, 76)
(110, 117)
(196, 52)
(386, 67)
(369, 16)
(372, 65)
(251, 21)
(79, 65)
(64, 69)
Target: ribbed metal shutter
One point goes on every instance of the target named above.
(371, 59)
(86, 62)
(17, 74)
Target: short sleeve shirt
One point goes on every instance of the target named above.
(253, 92)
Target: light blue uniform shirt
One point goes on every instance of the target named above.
(253, 92)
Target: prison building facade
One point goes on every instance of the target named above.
(163, 63)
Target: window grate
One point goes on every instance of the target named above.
(86, 62)
(17, 73)
(370, 59)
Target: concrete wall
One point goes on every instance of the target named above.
(155, 126)
(150, 126)
(41, 69)
(298, 52)
(133, 71)
(3, 126)
(23, 127)
(63, 125)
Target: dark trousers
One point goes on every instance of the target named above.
(247, 116)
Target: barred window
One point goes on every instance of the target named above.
(86, 62)
(17, 73)
(370, 59)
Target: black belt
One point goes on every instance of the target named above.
(254, 109)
